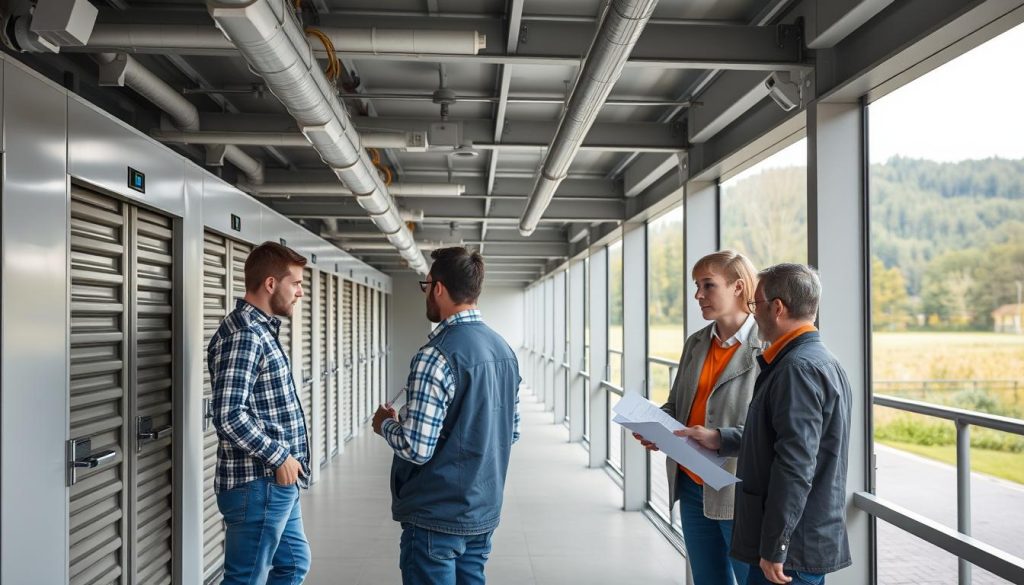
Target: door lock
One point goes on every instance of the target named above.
(207, 413)
(80, 456)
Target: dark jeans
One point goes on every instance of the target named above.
(264, 542)
(436, 558)
(707, 540)
(799, 577)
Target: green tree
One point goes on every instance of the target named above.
(889, 301)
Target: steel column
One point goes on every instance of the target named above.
(634, 358)
(598, 357)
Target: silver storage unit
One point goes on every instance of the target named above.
(323, 350)
(348, 365)
(335, 373)
(306, 390)
(122, 393)
(385, 345)
(362, 390)
(215, 303)
(375, 353)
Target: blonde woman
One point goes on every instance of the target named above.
(710, 396)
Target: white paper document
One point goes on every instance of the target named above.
(644, 418)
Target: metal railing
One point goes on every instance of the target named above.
(931, 389)
(959, 543)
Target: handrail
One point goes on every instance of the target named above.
(583, 374)
(979, 419)
(963, 419)
(565, 366)
(985, 556)
(612, 388)
(615, 351)
(662, 361)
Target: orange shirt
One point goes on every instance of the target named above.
(714, 364)
(774, 349)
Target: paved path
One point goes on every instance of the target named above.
(929, 488)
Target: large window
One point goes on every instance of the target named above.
(947, 269)
(666, 307)
(764, 209)
(586, 349)
(615, 343)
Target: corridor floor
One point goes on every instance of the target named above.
(562, 522)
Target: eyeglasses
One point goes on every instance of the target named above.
(753, 304)
(426, 285)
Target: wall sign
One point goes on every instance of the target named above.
(284, 242)
(313, 258)
(236, 223)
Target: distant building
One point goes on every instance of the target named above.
(1007, 319)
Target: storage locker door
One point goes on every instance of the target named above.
(375, 352)
(325, 361)
(155, 467)
(239, 252)
(216, 297)
(361, 386)
(306, 391)
(335, 389)
(348, 359)
(385, 348)
(98, 501)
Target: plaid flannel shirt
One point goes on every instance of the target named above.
(429, 391)
(256, 409)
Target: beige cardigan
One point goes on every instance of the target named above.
(726, 411)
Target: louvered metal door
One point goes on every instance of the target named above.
(325, 363)
(335, 387)
(375, 347)
(216, 297)
(385, 348)
(306, 389)
(348, 359)
(154, 346)
(362, 397)
(122, 388)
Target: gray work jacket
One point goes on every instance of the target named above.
(727, 408)
(791, 506)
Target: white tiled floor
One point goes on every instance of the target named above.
(562, 523)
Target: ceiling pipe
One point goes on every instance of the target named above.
(276, 49)
(619, 30)
(207, 40)
(286, 190)
(394, 140)
(118, 69)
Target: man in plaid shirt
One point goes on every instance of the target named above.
(453, 442)
(263, 453)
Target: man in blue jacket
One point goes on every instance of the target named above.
(452, 446)
(790, 518)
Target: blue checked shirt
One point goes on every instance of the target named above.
(256, 409)
(429, 391)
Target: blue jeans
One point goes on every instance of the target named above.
(799, 577)
(436, 558)
(264, 542)
(707, 540)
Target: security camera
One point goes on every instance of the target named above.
(784, 91)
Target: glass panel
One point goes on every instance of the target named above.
(615, 314)
(764, 209)
(947, 272)
(586, 348)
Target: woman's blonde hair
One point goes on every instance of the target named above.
(733, 266)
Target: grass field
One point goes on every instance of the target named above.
(912, 357)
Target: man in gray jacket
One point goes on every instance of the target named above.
(790, 517)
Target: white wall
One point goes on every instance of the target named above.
(502, 309)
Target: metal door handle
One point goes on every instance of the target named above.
(80, 456)
(207, 413)
(145, 433)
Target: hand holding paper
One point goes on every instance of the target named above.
(644, 418)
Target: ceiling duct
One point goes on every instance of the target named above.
(124, 71)
(618, 32)
(399, 189)
(275, 46)
(411, 141)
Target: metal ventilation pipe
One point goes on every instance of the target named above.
(275, 46)
(277, 190)
(123, 70)
(618, 32)
(395, 140)
(208, 40)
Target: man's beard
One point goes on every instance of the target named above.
(281, 306)
(433, 313)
